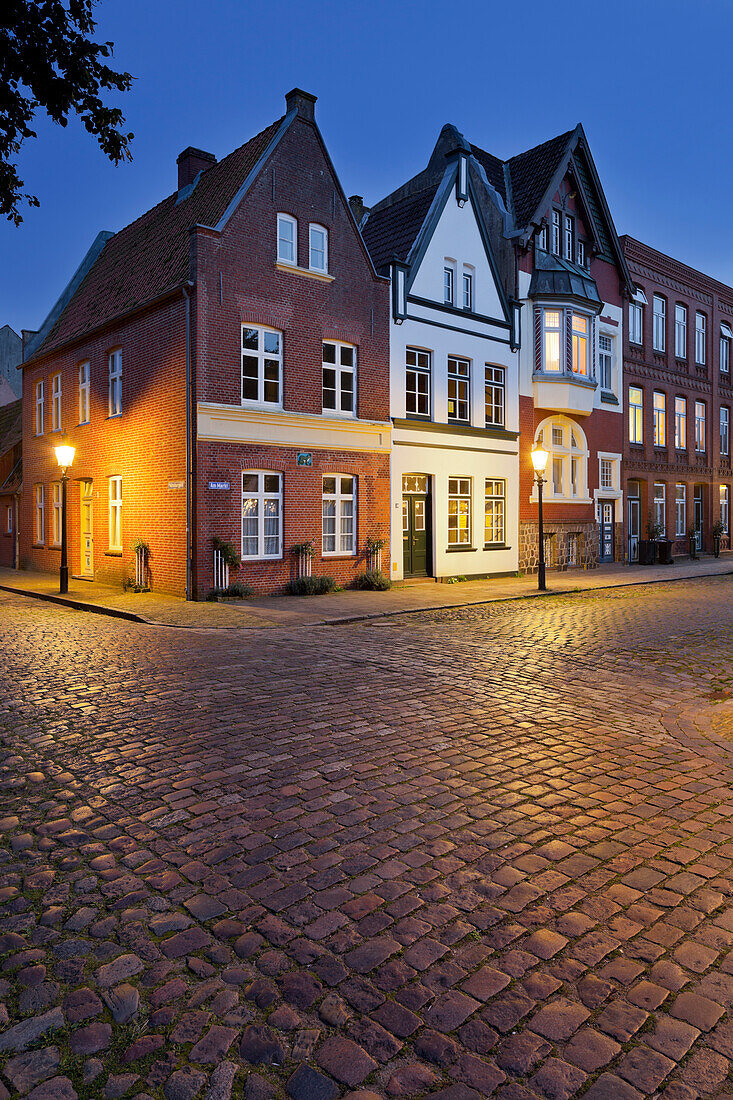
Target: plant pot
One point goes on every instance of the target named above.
(716, 545)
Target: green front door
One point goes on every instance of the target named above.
(415, 525)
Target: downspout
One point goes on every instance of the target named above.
(187, 289)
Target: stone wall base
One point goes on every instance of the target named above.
(567, 545)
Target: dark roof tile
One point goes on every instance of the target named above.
(390, 230)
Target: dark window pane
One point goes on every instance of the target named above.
(329, 353)
(249, 338)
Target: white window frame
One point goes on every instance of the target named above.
(344, 541)
(40, 507)
(701, 337)
(556, 233)
(449, 284)
(467, 289)
(460, 500)
(606, 356)
(262, 496)
(725, 354)
(606, 478)
(115, 382)
(56, 403)
(461, 384)
(724, 430)
(341, 371)
(580, 340)
(84, 392)
(724, 498)
(289, 240)
(659, 314)
(700, 427)
(550, 329)
(568, 237)
(680, 508)
(636, 415)
(9, 519)
(56, 517)
(660, 505)
(542, 237)
(680, 423)
(494, 396)
(39, 407)
(636, 323)
(680, 330)
(115, 514)
(418, 363)
(581, 254)
(261, 355)
(494, 511)
(313, 229)
(659, 418)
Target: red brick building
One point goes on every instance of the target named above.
(678, 397)
(11, 477)
(221, 366)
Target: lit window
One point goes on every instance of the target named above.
(636, 323)
(56, 513)
(680, 510)
(568, 462)
(551, 325)
(636, 415)
(459, 381)
(40, 516)
(725, 508)
(580, 344)
(556, 232)
(56, 403)
(318, 241)
(569, 235)
(261, 366)
(39, 408)
(287, 239)
(459, 511)
(660, 419)
(494, 397)
(417, 382)
(700, 338)
(605, 361)
(339, 378)
(660, 507)
(448, 286)
(660, 323)
(115, 513)
(724, 430)
(84, 393)
(699, 425)
(495, 508)
(680, 331)
(606, 473)
(680, 423)
(467, 290)
(261, 514)
(339, 514)
(115, 383)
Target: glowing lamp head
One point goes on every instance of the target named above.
(539, 458)
(65, 454)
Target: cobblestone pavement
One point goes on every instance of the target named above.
(481, 852)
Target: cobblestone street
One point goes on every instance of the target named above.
(464, 853)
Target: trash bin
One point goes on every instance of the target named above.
(664, 552)
(647, 552)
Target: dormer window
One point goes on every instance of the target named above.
(318, 249)
(448, 286)
(542, 238)
(581, 254)
(556, 232)
(568, 238)
(287, 239)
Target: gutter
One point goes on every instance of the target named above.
(187, 290)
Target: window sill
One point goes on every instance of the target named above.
(114, 416)
(337, 415)
(83, 424)
(419, 417)
(55, 431)
(293, 269)
(338, 557)
(461, 549)
(39, 546)
(112, 553)
(256, 561)
(496, 546)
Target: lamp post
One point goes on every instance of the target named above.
(539, 458)
(64, 456)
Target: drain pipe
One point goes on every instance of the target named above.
(187, 289)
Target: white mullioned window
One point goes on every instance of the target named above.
(459, 511)
(680, 423)
(542, 238)
(467, 290)
(580, 331)
(701, 325)
(680, 331)
(262, 364)
(40, 516)
(56, 403)
(581, 255)
(287, 239)
(417, 382)
(495, 511)
(84, 392)
(659, 410)
(115, 382)
(725, 508)
(495, 400)
(318, 248)
(339, 378)
(636, 414)
(725, 354)
(459, 389)
(9, 519)
(724, 430)
(680, 509)
(569, 237)
(636, 323)
(606, 473)
(556, 232)
(568, 461)
(39, 408)
(448, 286)
(115, 513)
(659, 335)
(605, 361)
(339, 514)
(262, 512)
(551, 340)
(699, 425)
(56, 513)
(660, 506)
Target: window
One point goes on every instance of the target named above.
(542, 238)
(56, 513)
(557, 472)
(467, 290)
(636, 323)
(339, 378)
(115, 383)
(9, 520)
(680, 423)
(318, 248)
(551, 325)
(659, 306)
(581, 254)
(680, 510)
(660, 419)
(494, 397)
(459, 381)
(84, 393)
(725, 354)
(40, 516)
(660, 507)
(556, 232)
(700, 337)
(262, 361)
(115, 513)
(39, 408)
(699, 425)
(636, 414)
(605, 361)
(495, 508)
(568, 462)
(448, 286)
(459, 511)
(568, 237)
(725, 508)
(580, 344)
(56, 403)
(287, 239)
(339, 514)
(680, 331)
(606, 473)
(417, 382)
(262, 507)
(724, 430)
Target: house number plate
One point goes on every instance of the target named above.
(304, 458)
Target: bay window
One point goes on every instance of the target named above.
(551, 338)
(580, 344)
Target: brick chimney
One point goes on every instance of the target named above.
(358, 209)
(302, 102)
(190, 162)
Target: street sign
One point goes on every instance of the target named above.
(219, 485)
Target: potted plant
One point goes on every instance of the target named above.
(648, 546)
(228, 551)
(141, 549)
(692, 536)
(718, 532)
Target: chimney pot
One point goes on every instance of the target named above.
(190, 162)
(302, 102)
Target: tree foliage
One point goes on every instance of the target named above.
(49, 61)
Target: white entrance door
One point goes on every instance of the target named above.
(87, 528)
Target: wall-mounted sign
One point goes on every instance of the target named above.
(176, 484)
(304, 458)
(219, 485)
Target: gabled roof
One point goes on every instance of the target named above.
(150, 257)
(11, 425)
(390, 231)
(531, 175)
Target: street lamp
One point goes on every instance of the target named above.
(539, 458)
(65, 457)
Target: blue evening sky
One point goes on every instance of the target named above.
(649, 79)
